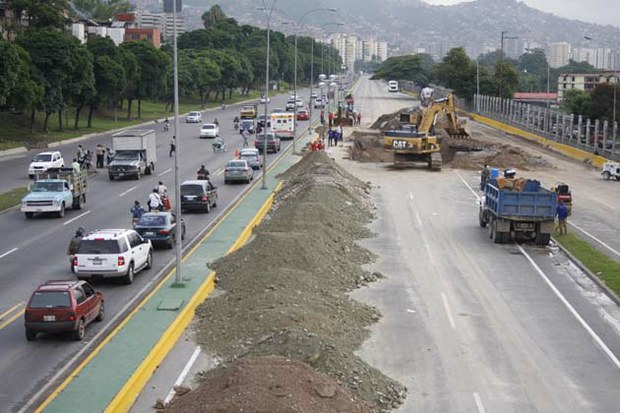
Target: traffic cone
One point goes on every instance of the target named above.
(236, 152)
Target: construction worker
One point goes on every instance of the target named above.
(562, 213)
(484, 177)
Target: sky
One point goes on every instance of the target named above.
(591, 11)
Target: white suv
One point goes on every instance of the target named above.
(111, 253)
(44, 161)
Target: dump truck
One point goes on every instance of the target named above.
(416, 140)
(135, 154)
(54, 191)
(518, 206)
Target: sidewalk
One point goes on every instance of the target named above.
(113, 375)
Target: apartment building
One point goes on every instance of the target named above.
(559, 54)
(584, 81)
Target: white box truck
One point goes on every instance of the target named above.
(135, 154)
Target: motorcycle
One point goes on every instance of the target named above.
(166, 127)
(218, 147)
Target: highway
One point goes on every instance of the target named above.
(470, 326)
(33, 251)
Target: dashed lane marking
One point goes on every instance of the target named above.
(76, 218)
(8, 252)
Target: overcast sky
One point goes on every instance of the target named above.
(591, 11)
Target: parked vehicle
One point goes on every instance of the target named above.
(55, 191)
(160, 228)
(303, 115)
(209, 130)
(272, 143)
(193, 117)
(252, 155)
(248, 112)
(63, 307)
(44, 161)
(611, 170)
(198, 195)
(238, 170)
(135, 154)
(519, 206)
(112, 253)
(283, 125)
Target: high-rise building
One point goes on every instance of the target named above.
(559, 53)
(162, 21)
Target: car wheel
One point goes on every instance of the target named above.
(101, 314)
(31, 176)
(129, 275)
(606, 175)
(149, 261)
(29, 215)
(111, 177)
(61, 213)
(31, 335)
(208, 207)
(78, 334)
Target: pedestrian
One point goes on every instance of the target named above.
(246, 135)
(331, 138)
(173, 146)
(76, 166)
(110, 155)
(330, 118)
(88, 159)
(161, 188)
(322, 116)
(80, 152)
(154, 201)
(484, 177)
(136, 212)
(339, 132)
(100, 152)
(562, 213)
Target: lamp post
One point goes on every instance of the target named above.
(332, 9)
(501, 59)
(268, 11)
(477, 87)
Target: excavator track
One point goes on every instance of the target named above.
(435, 161)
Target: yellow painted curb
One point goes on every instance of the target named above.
(571, 152)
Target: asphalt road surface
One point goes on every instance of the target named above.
(33, 251)
(470, 326)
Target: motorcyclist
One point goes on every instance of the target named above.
(203, 173)
(236, 122)
(218, 143)
(74, 245)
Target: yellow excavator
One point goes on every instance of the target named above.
(416, 140)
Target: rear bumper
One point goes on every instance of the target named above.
(52, 326)
(100, 274)
(194, 206)
(241, 178)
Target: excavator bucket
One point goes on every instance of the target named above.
(459, 130)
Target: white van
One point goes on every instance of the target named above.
(392, 86)
(283, 125)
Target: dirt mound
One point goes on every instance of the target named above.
(285, 293)
(270, 384)
(368, 147)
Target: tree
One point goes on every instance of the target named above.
(602, 102)
(416, 68)
(457, 72)
(533, 71)
(206, 74)
(18, 91)
(80, 89)
(100, 10)
(41, 13)
(577, 102)
(506, 76)
(213, 16)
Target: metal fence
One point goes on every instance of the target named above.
(594, 136)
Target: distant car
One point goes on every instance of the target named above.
(193, 117)
(252, 155)
(248, 111)
(160, 228)
(264, 99)
(238, 170)
(290, 105)
(198, 195)
(44, 161)
(209, 130)
(303, 115)
(112, 253)
(261, 121)
(63, 307)
(319, 103)
(277, 110)
(299, 103)
(273, 143)
(247, 124)
(313, 95)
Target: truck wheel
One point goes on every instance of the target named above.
(61, 213)
(542, 239)
(481, 220)
(77, 203)
(29, 215)
(147, 170)
(606, 175)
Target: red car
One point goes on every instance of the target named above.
(63, 306)
(303, 115)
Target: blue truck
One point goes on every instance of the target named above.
(54, 191)
(527, 212)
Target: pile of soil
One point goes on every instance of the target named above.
(368, 147)
(286, 292)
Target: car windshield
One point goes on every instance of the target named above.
(270, 137)
(42, 157)
(194, 114)
(152, 221)
(50, 299)
(208, 126)
(126, 156)
(192, 190)
(248, 156)
(47, 187)
(236, 164)
(98, 246)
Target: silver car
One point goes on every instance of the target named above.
(238, 170)
(253, 157)
(193, 117)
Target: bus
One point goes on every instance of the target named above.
(283, 125)
(393, 86)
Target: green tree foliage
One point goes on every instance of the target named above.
(41, 13)
(506, 78)
(532, 68)
(602, 102)
(79, 90)
(416, 68)
(17, 89)
(457, 72)
(100, 10)
(213, 16)
(577, 102)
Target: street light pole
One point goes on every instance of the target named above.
(178, 279)
(477, 87)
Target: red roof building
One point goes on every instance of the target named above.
(151, 34)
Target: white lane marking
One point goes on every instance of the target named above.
(8, 252)
(182, 376)
(468, 186)
(164, 172)
(448, 311)
(76, 218)
(410, 196)
(594, 238)
(585, 325)
(218, 172)
(418, 218)
(409, 310)
(127, 191)
(479, 404)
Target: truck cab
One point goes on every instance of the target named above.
(134, 154)
(54, 193)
